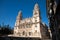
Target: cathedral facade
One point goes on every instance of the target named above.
(30, 27)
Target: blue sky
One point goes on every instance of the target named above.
(9, 10)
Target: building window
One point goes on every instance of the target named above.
(35, 20)
(23, 32)
(35, 25)
(14, 31)
(19, 27)
(28, 26)
(35, 31)
(35, 13)
(29, 33)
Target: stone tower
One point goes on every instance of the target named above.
(36, 11)
(36, 19)
(19, 18)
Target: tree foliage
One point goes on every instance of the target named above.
(5, 30)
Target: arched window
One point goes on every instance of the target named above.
(29, 33)
(35, 13)
(23, 32)
(35, 25)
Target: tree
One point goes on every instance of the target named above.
(5, 30)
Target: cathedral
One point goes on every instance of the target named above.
(31, 27)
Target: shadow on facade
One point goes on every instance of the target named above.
(18, 38)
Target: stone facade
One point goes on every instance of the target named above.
(30, 27)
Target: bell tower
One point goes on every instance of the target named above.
(19, 18)
(36, 20)
(36, 11)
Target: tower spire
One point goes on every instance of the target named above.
(36, 11)
(19, 15)
(36, 7)
(19, 18)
